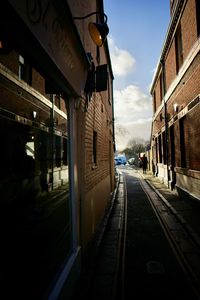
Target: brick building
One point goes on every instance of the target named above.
(57, 143)
(175, 91)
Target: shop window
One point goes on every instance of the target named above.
(179, 49)
(36, 211)
(25, 70)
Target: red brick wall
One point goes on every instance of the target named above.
(177, 144)
(11, 61)
(188, 88)
(191, 137)
(170, 65)
(189, 27)
(158, 94)
(193, 128)
(189, 37)
(96, 119)
(99, 111)
(186, 119)
(38, 82)
(186, 91)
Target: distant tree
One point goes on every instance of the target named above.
(128, 152)
(139, 148)
(135, 146)
(134, 141)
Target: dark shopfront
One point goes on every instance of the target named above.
(35, 205)
(38, 244)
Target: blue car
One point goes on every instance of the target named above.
(120, 160)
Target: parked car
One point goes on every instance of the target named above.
(131, 161)
(120, 160)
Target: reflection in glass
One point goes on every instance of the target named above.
(35, 207)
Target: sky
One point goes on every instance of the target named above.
(137, 30)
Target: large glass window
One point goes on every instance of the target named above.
(36, 226)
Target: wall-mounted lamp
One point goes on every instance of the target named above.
(98, 31)
(34, 114)
(175, 105)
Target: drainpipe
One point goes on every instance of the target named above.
(165, 119)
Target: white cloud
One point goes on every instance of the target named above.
(123, 63)
(131, 104)
(138, 129)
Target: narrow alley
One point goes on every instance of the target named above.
(137, 255)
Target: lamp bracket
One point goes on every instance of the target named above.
(91, 14)
(97, 30)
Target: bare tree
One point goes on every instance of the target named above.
(135, 141)
(135, 147)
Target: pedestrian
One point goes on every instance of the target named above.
(144, 164)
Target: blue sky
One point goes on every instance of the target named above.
(137, 29)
